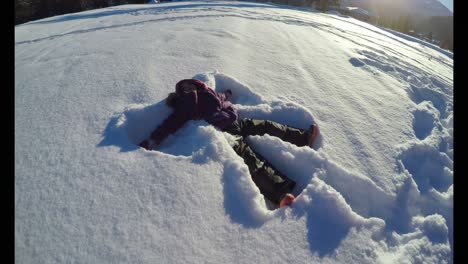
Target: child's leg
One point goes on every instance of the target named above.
(249, 127)
(272, 183)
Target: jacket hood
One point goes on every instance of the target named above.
(200, 85)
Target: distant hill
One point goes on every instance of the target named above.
(397, 7)
(427, 17)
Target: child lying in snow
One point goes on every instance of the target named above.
(194, 100)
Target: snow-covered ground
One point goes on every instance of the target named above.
(376, 188)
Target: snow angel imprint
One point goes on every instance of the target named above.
(194, 100)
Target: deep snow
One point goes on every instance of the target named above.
(376, 188)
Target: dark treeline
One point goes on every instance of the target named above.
(428, 28)
(402, 23)
(28, 10)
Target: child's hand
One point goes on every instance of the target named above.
(148, 144)
(228, 94)
(144, 144)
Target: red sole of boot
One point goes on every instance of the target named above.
(314, 135)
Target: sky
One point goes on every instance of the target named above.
(377, 186)
(448, 4)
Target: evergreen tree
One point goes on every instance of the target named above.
(324, 5)
(27, 10)
(23, 11)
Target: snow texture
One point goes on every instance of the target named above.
(377, 186)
